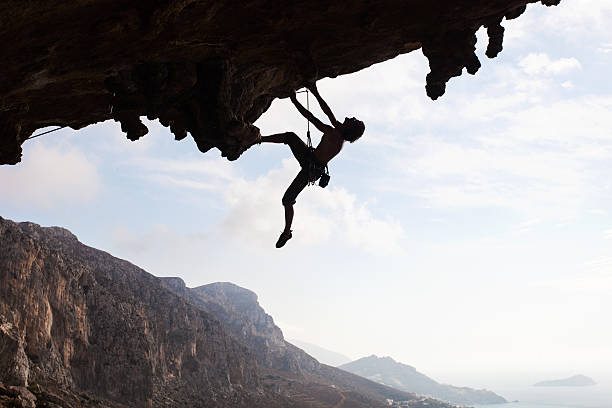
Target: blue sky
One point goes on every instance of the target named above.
(464, 236)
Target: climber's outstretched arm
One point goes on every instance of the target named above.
(309, 116)
(326, 109)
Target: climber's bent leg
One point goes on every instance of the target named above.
(275, 138)
(298, 147)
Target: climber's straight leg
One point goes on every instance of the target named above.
(276, 138)
(286, 234)
(298, 147)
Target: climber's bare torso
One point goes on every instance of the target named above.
(330, 145)
(332, 140)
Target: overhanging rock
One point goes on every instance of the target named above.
(211, 68)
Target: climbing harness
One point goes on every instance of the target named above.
(313, 167)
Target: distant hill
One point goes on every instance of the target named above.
(575, 381)
(325, 356)
(284, 367)
(403, 377)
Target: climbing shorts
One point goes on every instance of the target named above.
(311, 167)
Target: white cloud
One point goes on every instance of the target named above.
(545, 161)
(207, 166)
(595, 281)
(540, 63)
(599, 265)
(254, 214)
(207, 173)
(605, 48)
(333, 215)
(452, 176)
(48, 176)
(136, 244)
(529, 223)
(578, 19)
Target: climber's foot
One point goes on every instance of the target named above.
(284, 237)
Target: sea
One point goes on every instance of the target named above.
(597, 396)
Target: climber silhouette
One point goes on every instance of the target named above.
(313, 161)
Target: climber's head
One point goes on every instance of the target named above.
(352, 129)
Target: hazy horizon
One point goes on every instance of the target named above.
(500, 380)
(469, 237)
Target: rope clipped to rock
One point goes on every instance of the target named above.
(44, 133)
(308, 140)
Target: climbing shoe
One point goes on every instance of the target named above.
(284, 237)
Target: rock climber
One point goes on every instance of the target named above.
(313, 161)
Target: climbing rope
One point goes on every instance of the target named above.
(44, 133)
(308, 140)
(311, 169)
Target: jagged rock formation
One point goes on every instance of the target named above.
(81, 328)
(387, 371)
(210, 68)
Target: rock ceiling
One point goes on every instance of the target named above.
(209, 69)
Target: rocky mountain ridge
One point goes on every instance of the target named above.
(281, 363)
(404, 377)
(79, 327)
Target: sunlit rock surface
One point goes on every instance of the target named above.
(78, 319)
(211, 68)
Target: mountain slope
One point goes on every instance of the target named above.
(282, 364)
(387, 371)
(82, 328)
(328, 357)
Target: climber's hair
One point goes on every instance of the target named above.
(352, 129)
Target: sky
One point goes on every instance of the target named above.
(470, 237)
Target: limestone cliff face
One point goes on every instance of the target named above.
(210, 68)
(75, 317)
(238, 310)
